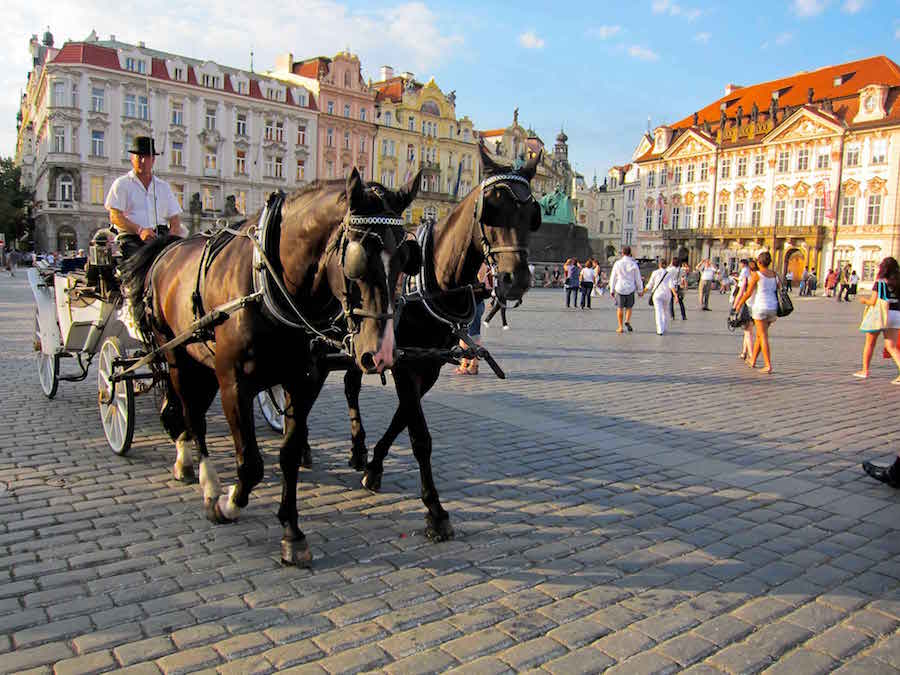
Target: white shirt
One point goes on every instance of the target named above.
(625, 276)
(587, 275)
(854, 278)
(146, 207)
(662, 281)
(708, 273)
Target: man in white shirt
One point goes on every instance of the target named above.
(707, 275)
(624, 281)
(139, 201)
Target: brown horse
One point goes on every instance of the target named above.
(336, 241)
(493, 224)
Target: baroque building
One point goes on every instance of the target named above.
(807, 166)
(227, 137)
(346, 110)
(417, 128)
(595, 209)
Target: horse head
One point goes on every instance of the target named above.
(506, 213)
(370, 253)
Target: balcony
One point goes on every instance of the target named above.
(60, 204)
(433, 167)
(765, 233)
(212, 173)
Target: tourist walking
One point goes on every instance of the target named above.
(804, 282)
(586, 282)
(830, 282)
(886, 287)
(844, 281)
(707, 276)
(624, 281)
(789, 281)
(764, 310)
(748, 267)
(571, 283)
(662, 284)
(854, 282)
(680, 285)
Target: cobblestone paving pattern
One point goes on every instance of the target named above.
(625, 503)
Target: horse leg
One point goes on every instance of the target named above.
(409, 392)
(299, 400)
(172, 417)
(195, 388)
(371, 479)
(237, 402)
(359, 453)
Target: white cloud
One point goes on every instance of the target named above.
(702, 38)
(530, 40)
(853, 6)
(805, 8)
(642, 53)
(603, 32)
(407, 34)
(674, 9)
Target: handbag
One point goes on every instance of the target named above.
(875, 317)
(785, 306)
(655, 286)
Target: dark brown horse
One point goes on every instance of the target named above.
(493, 224)
(336, 241)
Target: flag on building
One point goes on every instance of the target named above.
(458, 177)
(829, 202)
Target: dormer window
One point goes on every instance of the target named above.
(179, 73)
(240, 86)
(302, 97)
(212, 81)
(135, 65)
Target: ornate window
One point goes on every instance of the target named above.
(784, 160)
(819, 211)
(722, 220)
(799, 211)
(848, 210)
(211, 118)
(59, 139)
(301, 169)
(65, 188)
(803, 159)
(177, 153)
(879, 151)
(240, 127)
(704, 171)
(701, 216)
(177, 113)
(97, 191)
(240, 162)
(130, 109)
(688, 217)
(852, 155)
(823, 159)
(301, 135)
(742, 167)
(739, 214)
(779, 212)
(97, 143)
(346, 110)
(755, 214)
(873, 210)
(98, 99)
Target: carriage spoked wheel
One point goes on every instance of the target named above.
(116, 401)
(47, 365)
(271, 405)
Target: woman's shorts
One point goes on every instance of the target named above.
(764, 315)
(625, 301)
(893, 318)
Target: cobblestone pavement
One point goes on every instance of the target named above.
(622, 502)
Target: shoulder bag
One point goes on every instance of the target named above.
(875, 317)
(785, 306)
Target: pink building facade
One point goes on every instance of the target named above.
(347, 107)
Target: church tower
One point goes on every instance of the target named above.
(561, 149)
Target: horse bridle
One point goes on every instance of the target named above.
(500, 181)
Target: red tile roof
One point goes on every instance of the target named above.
(107, 57)
(310, 67)
(839, 84)
(491, 132)
(389, 90)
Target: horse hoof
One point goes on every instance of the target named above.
(438, 531)
(295, 553)
(306, 459)
(371, 481)
(186, 475)
(358, 458)
(214, 514)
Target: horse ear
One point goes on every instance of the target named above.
(409, 191)
(354, 190)
(530, 167)
(490, 166)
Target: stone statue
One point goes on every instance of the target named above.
(722, 119)
(740, 115)
(196, 205)
(696, 119)
(452, 97)
(810, 94)
(754, 113)
(773, 109)
(497, 147)
(516, 117)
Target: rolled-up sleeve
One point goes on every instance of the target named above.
(172, 206)
(117, 197)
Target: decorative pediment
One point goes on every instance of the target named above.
(850, 187)
(801, 189)
(241, 143)
(676, 199)
(211, 138)
(177, 134)
(702, 197)
(740, 192)
(688, 198)
(301, 152)
(643, 147)
(805, 124)
(649, 202)
(95, 119)
(689, 144)
(782, 191)
(135, 126)
(271, 145)
(724, 194)
(876, 186)
(819, 188)
(758, 193)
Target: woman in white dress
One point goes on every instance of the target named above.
(663, 284)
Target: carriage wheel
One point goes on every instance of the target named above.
(271, 404)
(47, 365)
(116, 402)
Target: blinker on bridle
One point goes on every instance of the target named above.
(500, 181)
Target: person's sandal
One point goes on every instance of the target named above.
(462, 368)
(472, 369)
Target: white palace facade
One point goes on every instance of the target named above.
(807, 167)
(228, 137)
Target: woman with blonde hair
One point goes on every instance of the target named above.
(764, 310)
(887, 287)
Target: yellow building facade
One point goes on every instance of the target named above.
(417, 128)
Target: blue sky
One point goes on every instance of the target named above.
(600, 69)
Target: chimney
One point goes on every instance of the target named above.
(406, 75)
(730, 88)
(284, 63)
(386, 72)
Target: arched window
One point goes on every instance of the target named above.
(66, 239)
(65, 188)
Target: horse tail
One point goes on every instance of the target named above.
(134, 274)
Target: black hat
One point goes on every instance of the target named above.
(143, 145)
